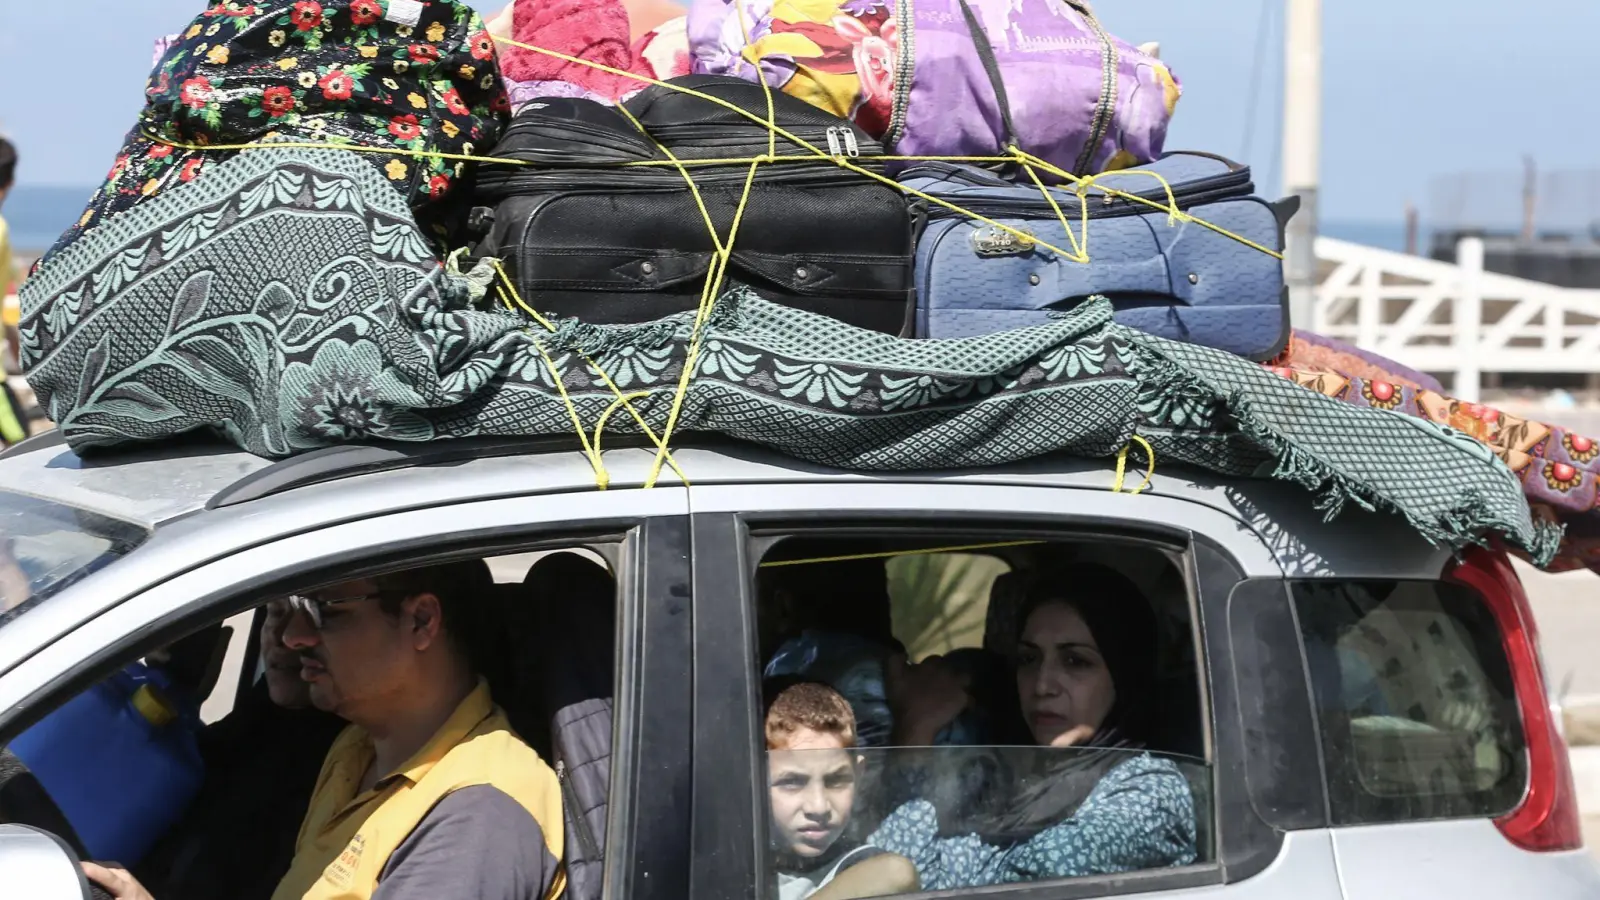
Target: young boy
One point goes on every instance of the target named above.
(811, 767)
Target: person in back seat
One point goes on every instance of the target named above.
(428, 795)
(1095, 802)
(812, 770)
(237, 837)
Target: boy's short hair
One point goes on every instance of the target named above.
(8, 163)
(812, 706)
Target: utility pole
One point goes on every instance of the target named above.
(1530, 198)
(1302, 151)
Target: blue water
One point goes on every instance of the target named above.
(37, 215)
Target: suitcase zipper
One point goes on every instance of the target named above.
(842, 142)
(684, 136)
(663, 179)
(1227, 186)
(604, 137)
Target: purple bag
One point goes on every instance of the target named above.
(952, 77)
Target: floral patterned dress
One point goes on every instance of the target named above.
(1140, 816)
(380, 74)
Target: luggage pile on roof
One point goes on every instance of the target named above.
(858, 232)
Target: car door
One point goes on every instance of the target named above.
(1259, 813)
(646, 539)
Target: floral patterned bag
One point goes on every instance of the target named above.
(391, 74)
(952, 77)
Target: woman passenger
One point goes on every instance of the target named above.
(1094, 803)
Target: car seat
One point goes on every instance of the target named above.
(514, 676)
(843, 596)
(575, 611)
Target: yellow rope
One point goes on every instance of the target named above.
(1171, 209)
(602, 478)
(708, 294)
(1080, 250)
(721, 259)
(1122, 465)
(962, 548)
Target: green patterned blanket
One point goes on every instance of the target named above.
(287, 301)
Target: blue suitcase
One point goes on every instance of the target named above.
(1180, 281)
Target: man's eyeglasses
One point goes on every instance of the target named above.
(315, 607)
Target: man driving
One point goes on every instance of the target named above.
(428, 793)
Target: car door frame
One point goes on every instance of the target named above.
(1222, 553)
(647, 833)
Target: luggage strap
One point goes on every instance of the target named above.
(991, 65)
(1104, 108)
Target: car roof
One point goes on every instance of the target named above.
(156, 484)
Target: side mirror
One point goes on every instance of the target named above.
(40, 866)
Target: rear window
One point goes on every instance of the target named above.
(45, 546)
(1418, 715)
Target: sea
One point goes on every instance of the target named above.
(38, 214)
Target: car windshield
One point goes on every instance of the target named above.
(46, 546)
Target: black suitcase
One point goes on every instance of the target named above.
(582, 236)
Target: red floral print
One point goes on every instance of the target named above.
(452, 99)
(438, 185)
(406, 127)
(278, 101)
(1580, 448)
(1381, 394)
(423, 53)
(196, 92)
(365, 12)
(306, 15)
(1562, 477)
(337, 85)
(190, 170)
(482, 46)
(160, 151)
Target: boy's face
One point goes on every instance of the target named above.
(813, 787)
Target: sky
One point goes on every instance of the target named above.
(1414, 89)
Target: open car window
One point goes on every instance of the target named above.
(47, 546)
(952, 710)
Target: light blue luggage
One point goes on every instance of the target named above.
(1181, 281)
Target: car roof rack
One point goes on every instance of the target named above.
(43, 439)
(350, 460)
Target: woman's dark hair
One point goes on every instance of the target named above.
(1124, 626)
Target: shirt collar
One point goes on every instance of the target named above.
(468, 714)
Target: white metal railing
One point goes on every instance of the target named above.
(1444, 318)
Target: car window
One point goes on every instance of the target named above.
(964, 711)
(189, 804)
(46, 546)
(1414, 693)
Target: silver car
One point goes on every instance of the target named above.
(1361, 715)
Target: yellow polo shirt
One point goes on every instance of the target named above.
(347, 839)
(9, 282)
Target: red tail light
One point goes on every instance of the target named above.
(1548, 818)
